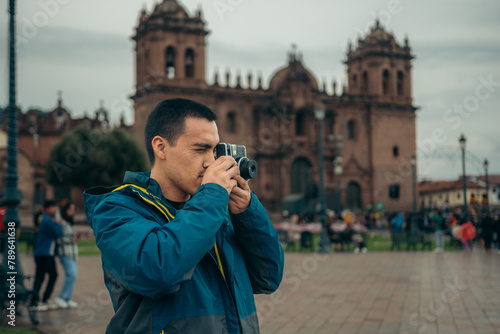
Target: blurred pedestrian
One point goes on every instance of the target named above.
(45, 247)
(68, 254)
(496, 228)
(467, 233)
(487, 233)
(439, 224)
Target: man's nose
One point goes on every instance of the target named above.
(210, 159)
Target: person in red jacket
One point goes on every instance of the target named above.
(467, 233)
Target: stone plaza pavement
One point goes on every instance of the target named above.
(399, 292)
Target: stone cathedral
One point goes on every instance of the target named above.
(368, 132)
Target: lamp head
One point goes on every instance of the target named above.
(319, 111)
(462, 140)
(413, 160)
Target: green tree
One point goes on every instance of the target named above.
(86, 158)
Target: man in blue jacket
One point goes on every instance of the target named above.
(185, 247)
(49, 230)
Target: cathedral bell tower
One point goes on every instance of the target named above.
(170, 47)
(170, 56)
(380, 68)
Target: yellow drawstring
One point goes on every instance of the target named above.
(218, 259)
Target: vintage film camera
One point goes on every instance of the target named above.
(248, 168)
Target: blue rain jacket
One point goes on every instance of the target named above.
(162, 268)
(48, 232)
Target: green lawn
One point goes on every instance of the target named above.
(88, 247)
(377, 243)
(17, 331)
(374, 243)
(85, 247)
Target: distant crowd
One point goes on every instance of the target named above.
(348, 227)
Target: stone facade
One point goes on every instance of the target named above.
(373, 115)
(38, 131)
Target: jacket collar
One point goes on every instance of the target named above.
(144, 180)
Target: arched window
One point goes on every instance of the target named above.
(354, 81)
(353, 196)
(189, 61)
(231, 122)
(351, 129)
(300, 124)
(364, 83)
(395, 151)
(170, 63)
(301, 178)
(400, 83)
(146, 61)
(394, 191)
(385, 82)
(39, 193)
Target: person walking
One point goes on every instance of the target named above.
(45, 247)
(68, 254)
(439, 223)
(487, 233)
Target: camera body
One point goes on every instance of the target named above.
(248, 168)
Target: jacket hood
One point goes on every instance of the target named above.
(93, 196)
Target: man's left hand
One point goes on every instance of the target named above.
(239, 198)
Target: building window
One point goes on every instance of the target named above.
(351, 129)
(385, 82)
(300, 124)
(354, 81)
(395, 151)
(189, 63)
(394, 191)
(301, 176)
(364, 83)
(400, 83)
(458, 195)
(231, 122)
(146, 67)
(353, 196)
(170, 63)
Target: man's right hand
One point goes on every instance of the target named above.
(221, 172)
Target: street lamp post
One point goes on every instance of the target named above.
(337, 145)
(36, 138)
(12, 195)
(462, 140)
(487, 186)
(338, 168)
(413, 162)
(324, 243)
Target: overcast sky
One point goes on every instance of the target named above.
(83, 48)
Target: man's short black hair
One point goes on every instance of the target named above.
(48, 203)
(168, 121)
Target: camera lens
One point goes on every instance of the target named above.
(248, 168)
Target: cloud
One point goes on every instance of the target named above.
(87, 66)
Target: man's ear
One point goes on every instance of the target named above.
(160, 146)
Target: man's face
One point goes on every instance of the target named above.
(51, 210)
(187, 161)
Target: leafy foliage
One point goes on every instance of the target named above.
(88, 157)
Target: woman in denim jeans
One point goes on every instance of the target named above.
(68, 253)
